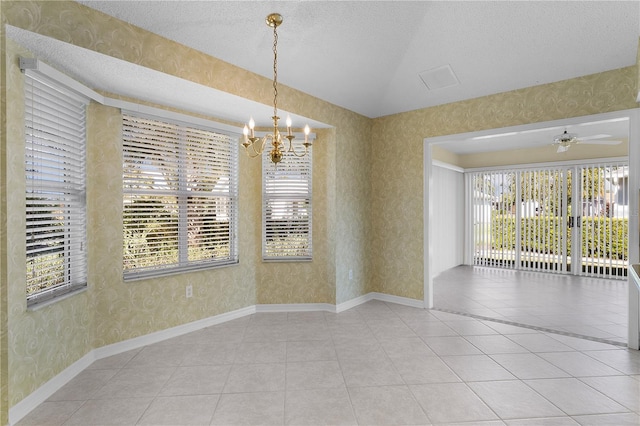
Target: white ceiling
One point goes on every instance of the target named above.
(366, 56)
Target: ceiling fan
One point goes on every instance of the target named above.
(566, 140)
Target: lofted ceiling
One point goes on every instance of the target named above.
(367, 56)
(372, 57)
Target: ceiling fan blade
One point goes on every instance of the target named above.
(599, 136)
(598, 142)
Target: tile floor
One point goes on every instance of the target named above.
(590, 307)
(376, 364)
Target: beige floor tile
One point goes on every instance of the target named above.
(544, 421)
(114, 361)
(386, 405)
(496, 344)
(197, 380)
(51, 413)
(528, 366)
(474, 368)
(539, 343)
(369, 372)
(578, 364)
(470, 328)
(96, 412)
(359, 349)
(135, 383)
(311, 350)
(622, 389)
(451, 402)
(193, 410)
(406, 347)
(319, 406)
(451, 345)
(626, 360)
(629, 419)
(84, 385)
(255, 408)
(574, 397)
(261, 352)
(256, 378)
(390, 328)
(513, 399)
(159, 356)
(314, 375)
(209, 355)
(419, 370)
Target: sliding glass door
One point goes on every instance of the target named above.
(561, 219)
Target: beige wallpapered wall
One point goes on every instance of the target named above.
(638, 71)
(367, 199)
(4, 332)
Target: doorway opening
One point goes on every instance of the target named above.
(573, 215)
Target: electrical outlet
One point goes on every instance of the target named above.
(189, 291)
(350, 274)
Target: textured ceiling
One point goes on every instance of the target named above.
(367, 55)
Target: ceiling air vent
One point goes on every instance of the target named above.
(439, 78)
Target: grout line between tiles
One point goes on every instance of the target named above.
(533, 327)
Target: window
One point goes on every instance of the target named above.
(55, 123)
(180, 189)
(286, 208)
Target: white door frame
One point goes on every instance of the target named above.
(634, 199)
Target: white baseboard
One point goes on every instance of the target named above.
(24, 407)
(296, 307)
(345, 306)
(159, 336)
(37, 397)
(399, 300)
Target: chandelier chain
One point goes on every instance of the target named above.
(275, 71)
(254, 145)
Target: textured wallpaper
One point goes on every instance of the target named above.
(638, 71)
(112, 310)
(4, 279)
(397, 194)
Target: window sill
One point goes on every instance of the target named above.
(175, 271)
(40, 305)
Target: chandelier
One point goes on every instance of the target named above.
(253, 145)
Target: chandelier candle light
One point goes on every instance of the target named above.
(253, 145)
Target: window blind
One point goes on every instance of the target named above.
(180, 189)
(287, 208)
(55, 133)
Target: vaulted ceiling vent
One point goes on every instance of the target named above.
(439, 78)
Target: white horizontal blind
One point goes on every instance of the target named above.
(55, 130)
(180, 187)
(286, 208)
